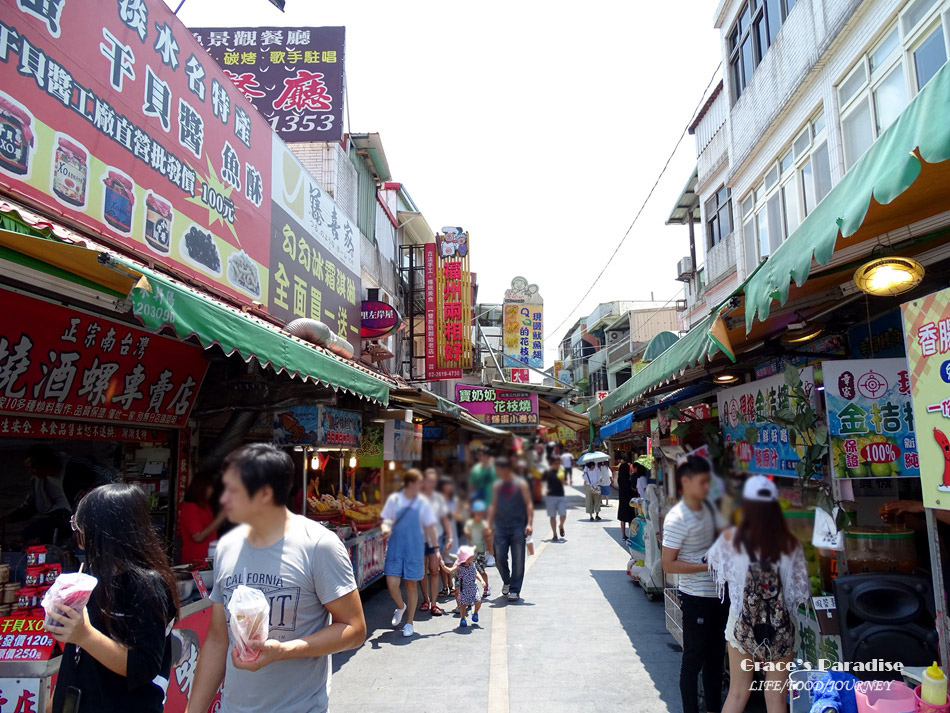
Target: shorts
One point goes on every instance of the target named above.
(480, 562)
(557, 505)
(604, 491)
(430, 550)
(411, 570)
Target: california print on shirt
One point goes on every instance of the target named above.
(283, 600)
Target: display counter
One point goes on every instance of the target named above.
(368, 554)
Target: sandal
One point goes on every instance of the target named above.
(436, 610)
(444, 592)
(425, 606)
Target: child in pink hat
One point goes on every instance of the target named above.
(468, 584)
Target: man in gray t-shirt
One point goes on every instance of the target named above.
(304, 571)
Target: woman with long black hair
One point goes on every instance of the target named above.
(117, 654)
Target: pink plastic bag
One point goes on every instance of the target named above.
(69, 590)
(249, 610)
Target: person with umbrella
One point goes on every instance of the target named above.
(592, 480)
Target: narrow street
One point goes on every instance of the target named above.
(583, 638)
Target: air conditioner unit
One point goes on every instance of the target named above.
(684, 269)
(681, 305)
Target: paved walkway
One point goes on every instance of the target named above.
(584, 638)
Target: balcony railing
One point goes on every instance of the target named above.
(721, 258)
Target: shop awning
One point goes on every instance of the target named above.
(160, 302)
(624, 423)
(901, 179)
(555, 415)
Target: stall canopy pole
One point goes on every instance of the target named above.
(306, 480)
(936, 566)
(341, 474)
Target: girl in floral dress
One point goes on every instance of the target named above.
(468, 584)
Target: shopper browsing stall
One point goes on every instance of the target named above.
(763, 566)
(689, 530)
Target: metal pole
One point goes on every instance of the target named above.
(306, 481)
(341, 475)
(692, 239)
(936, 567)
(179, 6)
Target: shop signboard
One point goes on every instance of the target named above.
(297, 425)
(378, 319)
(191, 631)
(523, 325)
(114, 118)
(433, 433)
(24, 638)
(370, 559)
(448, 298)
(520, 376)
(749, 406)
(292, 75)
(870, 418)
(498, 407)
(23, 695)
(370, 452)
(339, 428)
(62, 363)
(402, 441)
(927, 339)
(886, 338)
(64, 430)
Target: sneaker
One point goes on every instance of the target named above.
(513, 597)
(407, 631)
(463, 623)
(397, 616)
(489, 561)
(562, 531)
(475, 617)
(506, 589)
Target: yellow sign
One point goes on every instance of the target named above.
(927, 337)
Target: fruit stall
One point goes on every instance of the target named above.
(358, 525)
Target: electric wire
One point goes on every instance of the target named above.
(643, 205)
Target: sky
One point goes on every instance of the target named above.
(537, 127)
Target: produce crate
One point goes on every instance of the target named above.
(674, 614)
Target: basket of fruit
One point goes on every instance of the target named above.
(325, 508)
(363, 517)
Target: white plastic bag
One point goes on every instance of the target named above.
(826, 535)
(69, 590)
(249, 610)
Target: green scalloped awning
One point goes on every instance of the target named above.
(166, 303)
(888, 169)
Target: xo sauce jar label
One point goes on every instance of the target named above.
(158, 223)
(70, 170)
(119, 201)
(16, 138)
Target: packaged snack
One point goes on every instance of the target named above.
(36, 555)
(52, 572)
(36, 576)
(69, 590)
(26, 598)
(249, 610)
(119, 201)
(158, 223)
(16, 138)
(69, 172)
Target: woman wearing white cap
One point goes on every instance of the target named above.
(764, 567)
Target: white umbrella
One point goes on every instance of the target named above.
(593, 457)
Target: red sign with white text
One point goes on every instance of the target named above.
(61, 363)
(113, 117)
(25, 639)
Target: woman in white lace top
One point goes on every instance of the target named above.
(764, 568)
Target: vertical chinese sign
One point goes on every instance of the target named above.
(927, 335)
(523, 327)
(448, 294)
(314, 252)
(870, 418)
(293, 76)
(114, 118)
(748, 407)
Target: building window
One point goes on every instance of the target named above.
(790, 189)
(718, 217)
(875, 92)
(754, 32)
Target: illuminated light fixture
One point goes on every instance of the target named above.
(889, 276)
(392, 465)
(353, 462)
(726, 378)
(315, 463)
(802, 334)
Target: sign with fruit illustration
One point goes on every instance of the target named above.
(927, 338)
(761, 445)
(870, 419)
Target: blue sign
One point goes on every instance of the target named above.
(433, 433)
(886, 340)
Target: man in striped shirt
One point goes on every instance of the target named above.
(689, 530)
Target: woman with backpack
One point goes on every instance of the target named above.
(764, 567)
